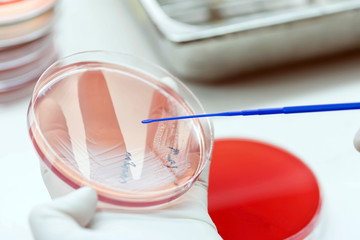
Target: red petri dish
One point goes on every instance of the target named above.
(258, 191)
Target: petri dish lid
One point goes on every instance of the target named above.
(19, 55)
(258, 191)
(12, 11)
(85, 123)
(14, 78)
(22, 32)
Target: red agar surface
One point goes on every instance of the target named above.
(258, 191)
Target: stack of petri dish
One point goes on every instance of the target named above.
(26, 45)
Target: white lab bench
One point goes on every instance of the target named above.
(322, 140)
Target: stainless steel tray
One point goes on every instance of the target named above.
(212, 39)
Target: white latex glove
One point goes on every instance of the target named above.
(357, 141)
(74, 216)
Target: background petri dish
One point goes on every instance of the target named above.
(26, 47)
(21, 10)
(258, 191)
(85, 123)
(26, 31)
(17, 56)
(31, 69)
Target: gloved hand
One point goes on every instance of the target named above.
(74, 215)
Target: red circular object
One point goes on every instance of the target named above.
(258, 191)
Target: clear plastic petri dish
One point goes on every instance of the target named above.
(85, 123)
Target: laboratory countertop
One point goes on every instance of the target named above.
(324, 141)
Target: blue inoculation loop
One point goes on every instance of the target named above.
(269, 111)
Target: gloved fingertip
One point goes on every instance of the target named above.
(87, 192)
(84, 202)
(357, 141)
(69, 213)
(79, 205)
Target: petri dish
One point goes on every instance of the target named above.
(18, 72)
(12, 11)
(259, 191)
(20, 55)
(26, 31)
(85, 124)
